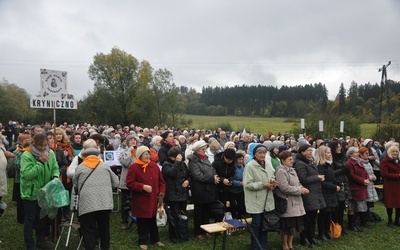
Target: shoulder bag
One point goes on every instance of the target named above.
(75, 195)
(270, 219)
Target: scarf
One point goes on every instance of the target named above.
(36, 153)
(23, 149)
(201, 155)
(365, 162)
(133, 154)
(142, 164)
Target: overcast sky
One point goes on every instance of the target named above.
(204, 43)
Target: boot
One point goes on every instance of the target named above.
(364, 220)
(306, 243)
(352, 223)
(322, 237)
(357, 223)
(390, 223)
(328, 235)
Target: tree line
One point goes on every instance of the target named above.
(126, 90)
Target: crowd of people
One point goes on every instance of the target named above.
(241, 172)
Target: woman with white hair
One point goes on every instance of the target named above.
(390, 170)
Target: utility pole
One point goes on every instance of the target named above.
(383, 86)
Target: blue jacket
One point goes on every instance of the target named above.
(237, 187)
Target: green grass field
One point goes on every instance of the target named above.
(379, 236)
(259, 124)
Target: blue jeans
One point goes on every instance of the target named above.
(260, 235)
(32, 221)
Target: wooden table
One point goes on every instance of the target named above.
(218, 229)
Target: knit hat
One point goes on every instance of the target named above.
(362, 150)
(199, 144)
(130, 137)
(319, 142)
(227, 144)
(366, 141)
(259, 147)
(303, 148)
(89, 143)
(272, 145)
(351, 151)
(140, 150)
(230, 154)
(90, 151)
(302, 142)
(174, 151)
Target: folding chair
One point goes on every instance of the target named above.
(117, 200)
(69, 225)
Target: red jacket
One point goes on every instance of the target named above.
(357, 175)
(143, 204)
(390, 172)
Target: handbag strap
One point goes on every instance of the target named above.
(83, 183)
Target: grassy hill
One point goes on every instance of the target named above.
(259, 124)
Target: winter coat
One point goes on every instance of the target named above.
(224, 170)
(237, 180)
(290, 188)
(143, 204)
(126, 160)
(255, 194)
(308, 176)
(175, 173)
(390, 171)
(3, 172)
(372, 194)
(357, 175)
(163, 152)
(329, 185)
(97, 192)
(35, 174)
(341, 171)
(202, 175)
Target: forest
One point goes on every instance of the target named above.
(126, 90)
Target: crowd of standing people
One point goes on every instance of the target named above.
(239, 172)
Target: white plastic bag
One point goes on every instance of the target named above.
(161, 217)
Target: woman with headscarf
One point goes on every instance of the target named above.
(309, 178)
(147, 187)
(203, 186)
(358, 180)
(259, 182)
(390, 171)
(291, 221)
(94, 182)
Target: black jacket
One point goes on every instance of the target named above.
(202, 185)
(329, 185)
(175, 173)
(224, 170)
(308, 176)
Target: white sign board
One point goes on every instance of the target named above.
(48, 103)
(341, 126)
(111, 158)
(321, 126)
(53, 83)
